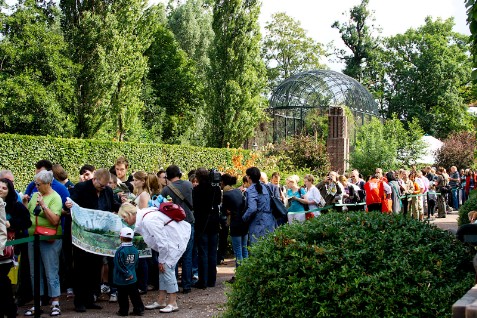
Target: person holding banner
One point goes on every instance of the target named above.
(92, 194)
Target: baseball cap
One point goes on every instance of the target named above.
(126, 232)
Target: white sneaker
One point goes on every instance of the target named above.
(169, 308)
(105, 289)
(113, 298)
(155, 305)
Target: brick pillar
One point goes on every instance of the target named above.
(337, 143)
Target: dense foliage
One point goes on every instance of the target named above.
(427, 70)
(20, 153)
(36, 75)
(288, 50)
(302, 152)
(458, 150)
(471, 6)
(388, 146)
(424, 73)
(353, 265)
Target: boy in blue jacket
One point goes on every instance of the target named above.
(125, 262)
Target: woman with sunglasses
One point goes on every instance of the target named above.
(45, 208)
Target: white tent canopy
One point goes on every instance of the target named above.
(432, 145)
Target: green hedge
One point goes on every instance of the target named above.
(469, 205)
(353, 265)
(20, 153)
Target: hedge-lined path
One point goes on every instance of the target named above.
(199, 303)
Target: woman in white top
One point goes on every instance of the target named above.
(312, 196)
(141, 189)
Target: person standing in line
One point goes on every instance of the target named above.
(17, 222)
(294, 194)
(92, 194)
(258, 212)
(45, 210)
(121, 171)
(441, 182)
(86, 173)
(207, 198)
(454, 181)
(276, 191)
(181, 193)
(233, 204)
(125, 262)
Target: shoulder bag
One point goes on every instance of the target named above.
(43, 230)
(178, 193)
(279, 210)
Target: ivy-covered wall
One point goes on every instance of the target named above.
(20, 153)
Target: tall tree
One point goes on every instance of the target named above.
(175, 97)
(471, 6)
(288, 50)
(357, 35)
(108, 40)
(237, 77)
(427, 69)
(36, 75)
(191, 23)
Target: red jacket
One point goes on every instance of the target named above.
(374, 191)
(467, 182)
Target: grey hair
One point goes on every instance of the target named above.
(44, 176)
(5, 174)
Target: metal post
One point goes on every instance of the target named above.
(36, 281)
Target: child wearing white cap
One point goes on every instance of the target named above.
(125, 262)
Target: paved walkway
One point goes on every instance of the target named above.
(447, 223)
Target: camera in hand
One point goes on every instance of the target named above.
(37, 210)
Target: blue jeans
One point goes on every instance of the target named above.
(207, 244)
(49, 266)
(455, 198)
(239, 245)
(187, 261)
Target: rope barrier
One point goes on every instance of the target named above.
(314, 210)
(32, 238)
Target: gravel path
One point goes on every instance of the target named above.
(197, 304)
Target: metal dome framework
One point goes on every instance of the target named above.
(314, 93)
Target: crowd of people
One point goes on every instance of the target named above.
(215, 208)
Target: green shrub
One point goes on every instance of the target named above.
(352, 265)
(469, 205)
(302, 152)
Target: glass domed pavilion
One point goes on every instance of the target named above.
(312, 93)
